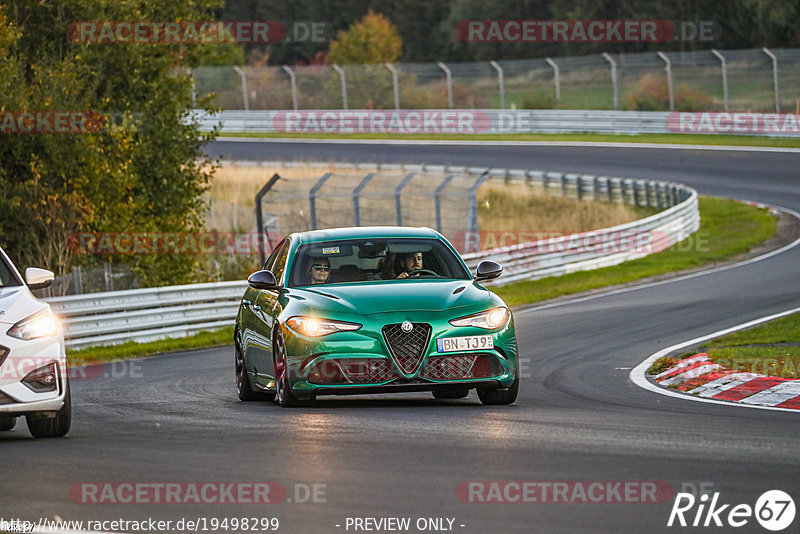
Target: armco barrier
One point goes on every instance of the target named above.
(155, 313)
(497, 121)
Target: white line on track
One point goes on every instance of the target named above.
(638, 374)
(765, 256)
(424, 142)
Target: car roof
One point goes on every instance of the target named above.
(365, 232)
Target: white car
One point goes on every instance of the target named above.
(33, 377)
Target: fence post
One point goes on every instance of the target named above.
(774, 78)
(243, 77)
(77, 279)
(342, 77)
(312, 198)
(395, 84)
(668, 68)
(397, 197)
(437, 195)
(472, 216)
(190, 72)
(724, 76)
(293, 80)
(557, 78)
(500, 82)
(614, 84)
(610, 190)
(260, 215)
(356, 193)
(108, 276)
(449, 80)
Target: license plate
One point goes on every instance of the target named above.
(457, 344)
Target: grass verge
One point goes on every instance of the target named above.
(131, 349)
(678, 139)
(771, 349)
(727, 228)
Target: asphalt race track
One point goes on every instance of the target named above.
(176, 418)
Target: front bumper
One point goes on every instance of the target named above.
(23, 357)
(346, 363)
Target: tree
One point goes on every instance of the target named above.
(373, 39)
(144, 171)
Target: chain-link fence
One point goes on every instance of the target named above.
(706, 80)
(441, 200)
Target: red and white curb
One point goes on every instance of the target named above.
(698, 375)
(699, 379)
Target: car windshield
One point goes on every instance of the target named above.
(7, 276)
(362, 260)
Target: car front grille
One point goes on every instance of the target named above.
(352, 371)
(461, 366)
(3, 353)
(367, 371)
(407, 349)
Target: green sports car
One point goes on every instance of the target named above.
(373, 310)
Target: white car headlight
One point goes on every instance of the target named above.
(489, 319)
(314, 327)
(40, 324)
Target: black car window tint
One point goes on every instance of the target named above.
(280, 262)
(271, 260)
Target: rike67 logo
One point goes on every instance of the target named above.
(774, 510)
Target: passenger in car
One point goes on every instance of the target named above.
(319, 270)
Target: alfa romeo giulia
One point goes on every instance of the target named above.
(373, 310)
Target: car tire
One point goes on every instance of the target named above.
(7, 422)
(450, 394)
(243, 389)
(53, 427)
(285, 396)
(498, 396)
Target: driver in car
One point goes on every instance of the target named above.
(410, 262)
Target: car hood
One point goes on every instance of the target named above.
(390, 296)
(16, 303)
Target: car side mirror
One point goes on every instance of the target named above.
(262, 280)
(488, 270)
(38, 278)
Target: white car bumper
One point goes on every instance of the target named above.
(22, 358)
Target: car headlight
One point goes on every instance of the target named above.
(315, 327)
(40, 324)
(489, 319)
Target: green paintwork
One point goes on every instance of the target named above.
(373, 304)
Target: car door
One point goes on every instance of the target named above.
(266, 310)
(257, 326)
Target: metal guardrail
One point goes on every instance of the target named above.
(496, 121)
(155, 313)
(600, 248)
(147, 314)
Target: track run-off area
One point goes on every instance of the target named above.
(579, 419)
